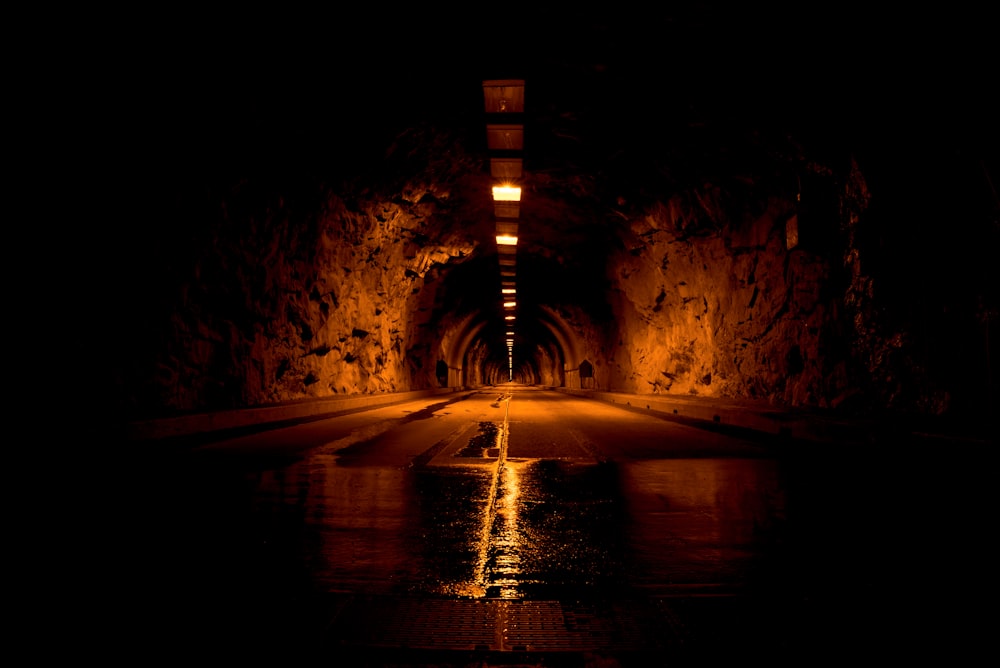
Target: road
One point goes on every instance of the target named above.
(516, 521)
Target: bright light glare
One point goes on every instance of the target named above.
(508, 317)
(506, 240)
(506, 193)
(510, 333)
(510, 304)
(508, 291)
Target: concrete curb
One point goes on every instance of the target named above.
(781, 422)
(221, 421)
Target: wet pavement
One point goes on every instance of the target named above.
(528, 527)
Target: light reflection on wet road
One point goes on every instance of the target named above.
(537, 496)
(470, 515)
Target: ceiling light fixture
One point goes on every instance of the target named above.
(506, 193)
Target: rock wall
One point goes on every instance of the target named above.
(732, 312)
(284, 292)
(710, 303)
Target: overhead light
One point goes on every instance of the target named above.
(506, 193)
(506, 240)
(508, 317)
(507, 291)
(510, 304)
(510, 333)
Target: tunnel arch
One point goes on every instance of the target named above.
(461, 305)
(562, 333)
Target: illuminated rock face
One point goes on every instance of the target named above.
(705, 304)
(374, 287)
(733, 313)
(278, 303)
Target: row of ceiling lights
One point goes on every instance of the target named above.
(504, 108)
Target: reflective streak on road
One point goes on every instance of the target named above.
(511, 494)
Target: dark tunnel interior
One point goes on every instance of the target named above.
(754, 302)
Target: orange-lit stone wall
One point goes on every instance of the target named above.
(730, 312)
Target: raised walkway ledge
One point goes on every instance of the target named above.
(793, 424)
(215, 422)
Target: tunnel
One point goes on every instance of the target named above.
(712, 204)
(743, 349)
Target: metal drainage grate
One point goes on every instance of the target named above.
(499, 625)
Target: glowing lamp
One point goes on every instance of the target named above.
(508, 317)
(507, 291)
(510, 304)
(506, 193)
(506, 240)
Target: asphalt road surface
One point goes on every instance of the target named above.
(517, 525)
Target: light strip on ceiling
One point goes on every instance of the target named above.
(506, 193)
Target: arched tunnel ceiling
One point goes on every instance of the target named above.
(620, 111)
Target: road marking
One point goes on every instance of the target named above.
(585, 444)
(490, 511)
